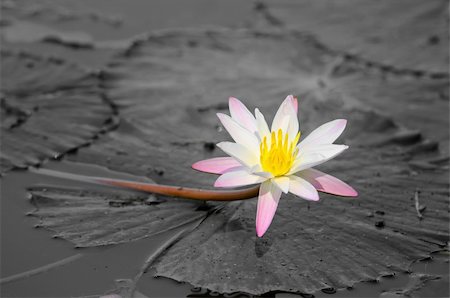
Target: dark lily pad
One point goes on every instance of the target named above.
(90, 218)
(27, 74)
(167, 92)
(48, 107)
(409, 37)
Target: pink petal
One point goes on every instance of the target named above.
(302, 188)
(218, 165)
(295, 103)
(237, 177)
(327, 183)
(269, 196)
(241, 114)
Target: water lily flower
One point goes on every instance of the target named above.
(275, 158)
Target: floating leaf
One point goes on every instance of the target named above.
(412, 37)
(168, 88)
(90, 218)
(48, 107)
(28, 74)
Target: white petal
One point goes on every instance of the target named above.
(238, 177)
(286, 109)
(266, 175)
(239, 134)
(242, 115)
(302, 188)
(269, 196)
(282, 183)
(241, 153)
(284, 125)
(315, 155)
(257, 170)
(293, 118)
(263, 128)
(324, 134)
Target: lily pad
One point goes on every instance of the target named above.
(168, 88)
(48, 107)
(404, 36)
(90, 218)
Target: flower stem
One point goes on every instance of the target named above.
(185, 192)
(167, 190)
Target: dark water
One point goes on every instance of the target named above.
(26, 251)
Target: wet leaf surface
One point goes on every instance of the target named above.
(90, 218)
(48, 107)
(416, 283)
(399, 36)
(26, 74)
(168, 88)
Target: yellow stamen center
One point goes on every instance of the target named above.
(279, 157)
